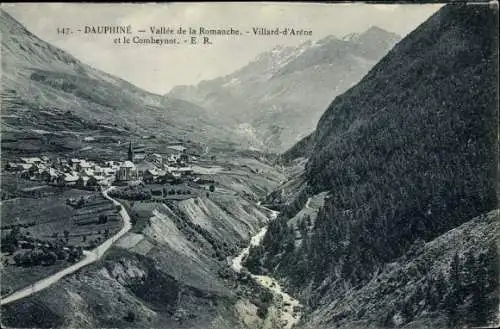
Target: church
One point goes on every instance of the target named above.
(128, 170)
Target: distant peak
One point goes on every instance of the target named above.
(375, 30)
(327, 39)
(350, 37)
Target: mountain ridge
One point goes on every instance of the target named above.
(281, 92)
(40, 80)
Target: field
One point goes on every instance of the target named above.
(17, 277)
(13, 186)
(49, 214)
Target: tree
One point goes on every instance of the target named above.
(61, 254)
(9, 243)
(453, 297)
(308, 220)
(130, 317)
(18, 258)
(50, 258)
(103, 219)
(81, 202)
(484, 288)
(469, 273)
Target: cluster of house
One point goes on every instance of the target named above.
(65, 171)
(150, 168)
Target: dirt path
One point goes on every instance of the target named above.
(89, 258)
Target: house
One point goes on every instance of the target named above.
(35, 171)
(158, 192)
(24, 166)
(140, 154)
(107, 172)
(184, 171)
(67, 179)
(172, 158)
(82, 181)
(96, 180)
(83, 165)
(204, 179)
(12, 166)
(87, 172)
(73, 163)
(152, 175)
(178, 148)
(49, 175)
(109, 164)
(155, 158)
(62, 163)
(33, 160)
(175, 152)
(184, 158)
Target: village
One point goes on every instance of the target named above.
(172, 167)
(55, 208)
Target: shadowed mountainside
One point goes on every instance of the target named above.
(407, 155)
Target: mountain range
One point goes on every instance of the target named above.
(51, 101)
(277, 99)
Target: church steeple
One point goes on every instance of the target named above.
(130, 152)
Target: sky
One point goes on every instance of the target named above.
(159, 68)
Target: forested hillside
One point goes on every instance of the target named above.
(407, 154)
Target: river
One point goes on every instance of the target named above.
(287, 303)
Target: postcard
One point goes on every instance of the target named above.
(250, 165)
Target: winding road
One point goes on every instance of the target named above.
(89, 258)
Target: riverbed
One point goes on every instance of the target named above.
(285, 302)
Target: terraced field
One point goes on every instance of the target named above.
(46, 216)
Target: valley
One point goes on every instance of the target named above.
(347, 182)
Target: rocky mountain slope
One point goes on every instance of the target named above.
(278, 98)
(407, 155)
(51, 101)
